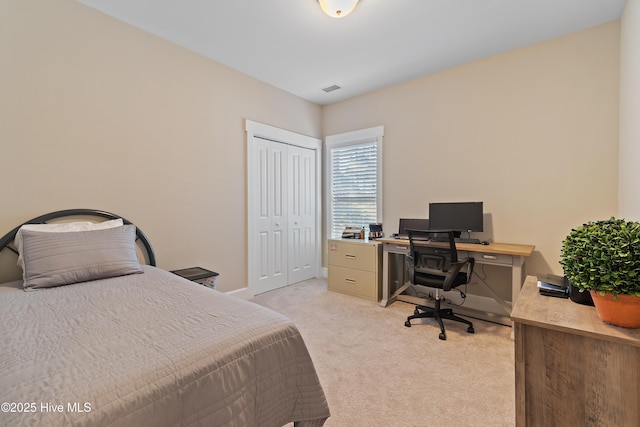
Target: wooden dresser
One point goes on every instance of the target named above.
(572, 369)
(355, 268)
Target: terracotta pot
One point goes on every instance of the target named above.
(625, 311)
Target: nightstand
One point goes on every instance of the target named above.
(199, 275)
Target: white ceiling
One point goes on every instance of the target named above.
(293, 45)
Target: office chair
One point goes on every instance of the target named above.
(436, 265)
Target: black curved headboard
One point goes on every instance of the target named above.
(43, 219)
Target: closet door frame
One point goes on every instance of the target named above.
(262, 131)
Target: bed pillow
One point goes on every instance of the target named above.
(54, 258)
(61, 227)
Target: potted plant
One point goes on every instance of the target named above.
(603, 257)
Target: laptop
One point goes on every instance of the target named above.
(411, 224)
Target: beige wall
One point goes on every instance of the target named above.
(95, 113)
(533, 133)
(629, 206)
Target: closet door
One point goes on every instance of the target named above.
(301, 214)
(283, 202)
(269, 262)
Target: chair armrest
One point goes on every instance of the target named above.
(455, 270)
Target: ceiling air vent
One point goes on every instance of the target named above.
(331, 88)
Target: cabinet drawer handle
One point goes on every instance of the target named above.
(485, 256)
(349, 280)
(350, 256)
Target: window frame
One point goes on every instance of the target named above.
(373, 134)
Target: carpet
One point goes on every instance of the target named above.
(377, 372)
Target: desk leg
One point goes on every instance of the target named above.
(517, 280)
(517, 277)
(385, 279)
(389, 293)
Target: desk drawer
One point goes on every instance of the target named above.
(493, 259)
(353, 255)
(358, 283)
(396, 248)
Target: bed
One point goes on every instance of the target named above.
(145, 348)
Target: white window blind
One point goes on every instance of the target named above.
(354, 186)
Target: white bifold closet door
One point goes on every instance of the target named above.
(301, 208)
(270, 257)
(282, 209)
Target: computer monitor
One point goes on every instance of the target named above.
(411, 224)
(456, 216)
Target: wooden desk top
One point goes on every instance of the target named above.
(564, 315)
(491, 248)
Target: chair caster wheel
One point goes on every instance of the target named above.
(470, 329)
(407, 324)
(442, 336)
(416, 312)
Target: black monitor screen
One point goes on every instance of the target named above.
(457, 216)
(412, 224)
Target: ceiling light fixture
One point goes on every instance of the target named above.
(338, 8)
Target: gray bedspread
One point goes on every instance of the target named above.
(151, 349)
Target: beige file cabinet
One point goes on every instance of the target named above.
(355, 268)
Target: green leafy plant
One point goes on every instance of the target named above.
(603, 256)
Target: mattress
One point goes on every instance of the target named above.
(151, 349)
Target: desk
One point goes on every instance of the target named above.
(502, 254)
(571, 368)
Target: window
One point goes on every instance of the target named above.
(354, 175)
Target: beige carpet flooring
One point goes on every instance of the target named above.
(377, 372)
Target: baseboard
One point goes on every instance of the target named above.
(243, 293)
